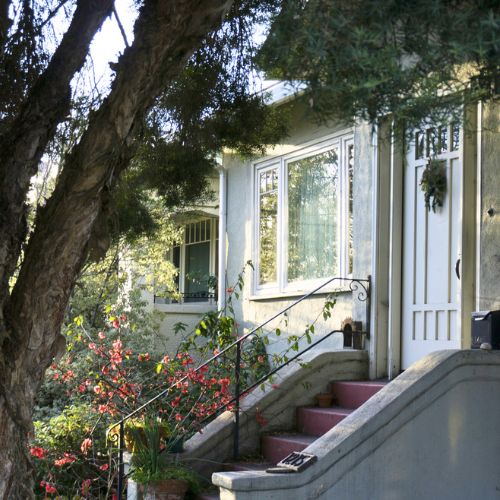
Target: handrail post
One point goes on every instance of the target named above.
(120, 460)
(236, 437)
(368, 305)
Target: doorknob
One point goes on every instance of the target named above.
(457, 268)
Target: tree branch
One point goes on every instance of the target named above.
(120, 25)
(52, 14)
(167, 33)
(23, 144)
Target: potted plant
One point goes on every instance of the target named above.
(134, 433)
(157, 474)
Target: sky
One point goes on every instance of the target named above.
(109, 43)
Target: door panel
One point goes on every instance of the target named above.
(431, 247)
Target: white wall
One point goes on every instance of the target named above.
(251, 310)
(489, 242)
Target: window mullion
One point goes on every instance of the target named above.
(282, 233)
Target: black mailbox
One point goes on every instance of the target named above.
(486, 329)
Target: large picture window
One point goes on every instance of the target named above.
(304, 216)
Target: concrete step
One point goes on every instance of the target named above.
(277, 447)
(353, 394)
(315, 421)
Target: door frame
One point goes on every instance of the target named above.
(393, 191)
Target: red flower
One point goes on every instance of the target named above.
(101, 335)
(86, 486)
(67, 459)
(230, 289)
(116, 323)
(86, 445)
(38, 452)
(104, 467)
(48, 487)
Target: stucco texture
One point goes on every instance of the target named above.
(489, 293)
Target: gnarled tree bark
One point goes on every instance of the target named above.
(166, 34)
(23, 143)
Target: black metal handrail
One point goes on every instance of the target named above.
(361, 286)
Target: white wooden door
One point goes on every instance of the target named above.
(431, 300)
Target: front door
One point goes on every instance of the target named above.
(432, 242)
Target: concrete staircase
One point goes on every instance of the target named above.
(311, 423)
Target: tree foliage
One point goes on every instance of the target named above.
(363, 58)
(79, 216)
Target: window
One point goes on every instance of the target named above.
(196, 259)
(303, 216)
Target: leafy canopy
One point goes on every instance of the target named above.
(364, 58)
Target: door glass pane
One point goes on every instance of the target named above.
(312, 216)
(268, 219)
(197, 272)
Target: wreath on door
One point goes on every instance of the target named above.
(433, 183)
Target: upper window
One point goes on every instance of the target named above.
(304, 216)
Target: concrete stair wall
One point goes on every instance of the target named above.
(430, 433)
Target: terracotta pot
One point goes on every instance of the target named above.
(324, 400)
(168, 489)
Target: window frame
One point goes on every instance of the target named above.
(213, 248)
(341, 140)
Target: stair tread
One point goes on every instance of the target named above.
(338, 410)
(296, 438)
(375, 383)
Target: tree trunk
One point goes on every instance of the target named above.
(23, 143)
(5, 22)
(167, 33)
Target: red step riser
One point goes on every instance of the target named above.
(276, 448)
(318, 421)
(353, 394)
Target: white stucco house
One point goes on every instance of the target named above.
(337, 200)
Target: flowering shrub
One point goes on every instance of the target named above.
(106, 378)
(70, 449)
